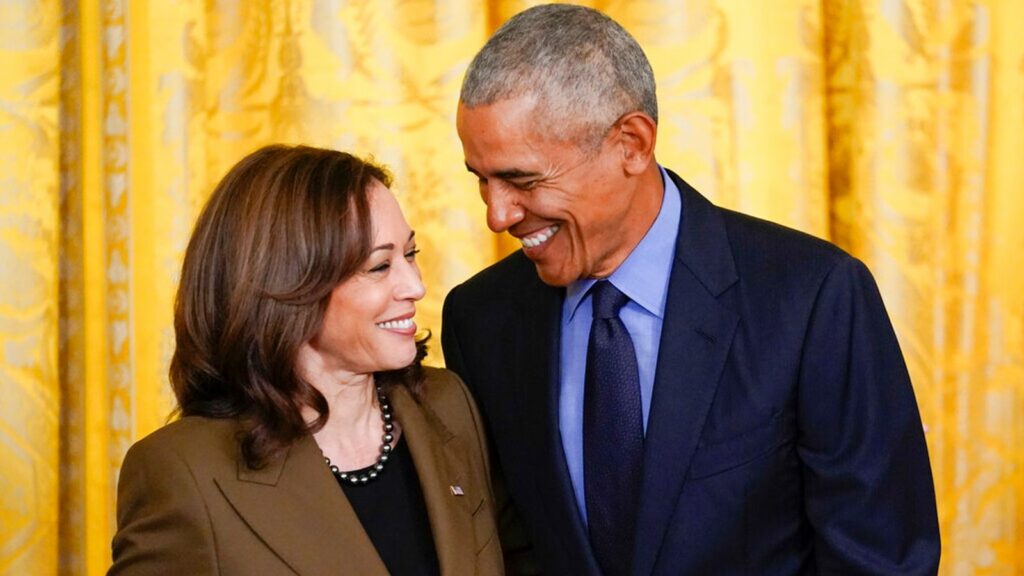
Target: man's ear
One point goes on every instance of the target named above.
(638, 134)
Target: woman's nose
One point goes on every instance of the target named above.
(412, 287)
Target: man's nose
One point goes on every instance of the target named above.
(502, 209)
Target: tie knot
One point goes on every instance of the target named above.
(607, 300)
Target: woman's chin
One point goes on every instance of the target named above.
(397, 362)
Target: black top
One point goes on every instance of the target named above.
(394, 515)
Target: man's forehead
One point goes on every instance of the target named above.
(511, 173)
(514, 114)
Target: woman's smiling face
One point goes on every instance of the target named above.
(368, 325)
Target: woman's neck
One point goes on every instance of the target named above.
(351, 437)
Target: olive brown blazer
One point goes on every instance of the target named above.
(187, 504)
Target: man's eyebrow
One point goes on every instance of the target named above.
(508, 174)
(515, 174)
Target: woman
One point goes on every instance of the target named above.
(311, 439)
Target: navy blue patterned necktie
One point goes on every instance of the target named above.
(613, 433)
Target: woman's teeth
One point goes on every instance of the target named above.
(540, 237)
(396, 324)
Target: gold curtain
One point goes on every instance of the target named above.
(890, 127)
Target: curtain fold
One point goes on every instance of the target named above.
(30, 232)
(890, 127)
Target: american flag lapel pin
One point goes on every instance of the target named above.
(456, 490)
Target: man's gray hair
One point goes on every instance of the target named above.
(584, 69)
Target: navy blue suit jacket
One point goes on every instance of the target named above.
(784, 437)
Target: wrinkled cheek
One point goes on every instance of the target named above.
(565, 260)
(575, 250)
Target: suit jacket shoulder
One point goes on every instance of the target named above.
(777, 252)
(192, 439)
(161, 508)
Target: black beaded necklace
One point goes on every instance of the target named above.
(357, 477)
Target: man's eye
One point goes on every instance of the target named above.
(525, 185)
(411, 254)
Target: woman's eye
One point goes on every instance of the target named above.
(381, 267)
(411, 254)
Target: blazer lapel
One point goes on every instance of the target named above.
(443, 473)
(538, 346)
(297, 508)
(695, 341)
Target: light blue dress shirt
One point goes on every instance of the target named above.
(643, 277)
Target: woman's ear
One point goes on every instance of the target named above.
(638, 134)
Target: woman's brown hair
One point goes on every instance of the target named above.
(285, 226)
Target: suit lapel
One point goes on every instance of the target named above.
(297, 508)
(695, 341)
(443, 471)
(538, 349)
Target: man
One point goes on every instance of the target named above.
(670, 387)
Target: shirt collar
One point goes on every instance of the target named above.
(644, 275)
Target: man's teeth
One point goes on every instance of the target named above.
(540, 237)
(396, 324)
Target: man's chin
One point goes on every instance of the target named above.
(553, 276)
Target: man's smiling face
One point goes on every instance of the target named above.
(566, 204)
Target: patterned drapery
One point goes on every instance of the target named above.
(891, 127)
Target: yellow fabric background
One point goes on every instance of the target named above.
(891, 127)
